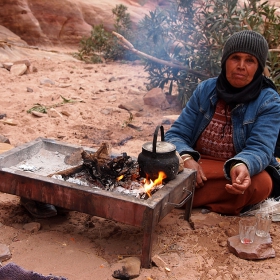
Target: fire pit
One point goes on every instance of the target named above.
(19, 179)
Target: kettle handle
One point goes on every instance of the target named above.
(155, 137)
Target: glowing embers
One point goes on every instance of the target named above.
(142, 188)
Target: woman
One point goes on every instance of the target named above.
(228, 130)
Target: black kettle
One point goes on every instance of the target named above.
(158, 156)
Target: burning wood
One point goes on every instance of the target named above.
(101, 170)
(110, 171)
(149, 184)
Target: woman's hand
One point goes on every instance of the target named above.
(240, 179)
(200, 176)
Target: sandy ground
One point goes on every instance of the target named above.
(77, 245)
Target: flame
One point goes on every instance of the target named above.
(150, 184)
(120, 177)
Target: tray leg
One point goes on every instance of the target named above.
(150, 221)
(188, 209)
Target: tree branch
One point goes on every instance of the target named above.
(127, 45)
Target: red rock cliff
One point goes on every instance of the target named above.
(64, 22)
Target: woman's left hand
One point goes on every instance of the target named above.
(240, 179)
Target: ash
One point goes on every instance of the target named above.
(137, 190)
(43, 163)
(71, 180)
(132, 188)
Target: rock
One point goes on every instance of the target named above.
(112, 98)
(169, 119)
(138, 114)
(172, 98)
(38, 114)
(65, 113)
(261, 248)
(121, 77)
(65, 22)
(53, 113)
(28, 89)
(223, 244)
(31, 69)
(4, 139)
(135, 105)
(32, 227)
(5, 253)
(8, 65)
(5, 147)
(18, 69)
(4, 72)
(205, 211)
(106, 111)
(46, 81)
(130, 268)
(8, 121)
(224, 224)
(23, 61)
(112, 79)
(212, 272)
(8, 36)
(159, 262)
(155, 97)
(64, 86)
(134, 91)
(165, 105)
(231, 232)
(199, 220)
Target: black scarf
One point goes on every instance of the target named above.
(233, 96)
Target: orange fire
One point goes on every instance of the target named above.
(120, 177)
(149, 184)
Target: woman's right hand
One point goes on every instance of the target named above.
(200, 176)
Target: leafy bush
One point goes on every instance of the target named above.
(92, 48)
(123, 26)
(192, 33)
(189, 35)
(101, 44)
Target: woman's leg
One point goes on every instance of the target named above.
(214, 196)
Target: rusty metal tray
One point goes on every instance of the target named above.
(122, 208)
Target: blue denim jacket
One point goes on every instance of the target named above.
(255, 127)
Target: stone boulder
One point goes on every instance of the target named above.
(261, 248)
(65, 22)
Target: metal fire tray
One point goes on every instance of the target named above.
(50, 155)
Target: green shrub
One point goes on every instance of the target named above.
(102, 45)
(192, 33)
(92, 48)
(189, 35)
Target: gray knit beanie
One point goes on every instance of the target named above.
(247, 41)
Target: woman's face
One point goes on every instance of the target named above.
(240, 69)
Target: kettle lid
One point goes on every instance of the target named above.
(160, 147)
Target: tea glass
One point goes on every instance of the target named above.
(264, 218)
(247, 230)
